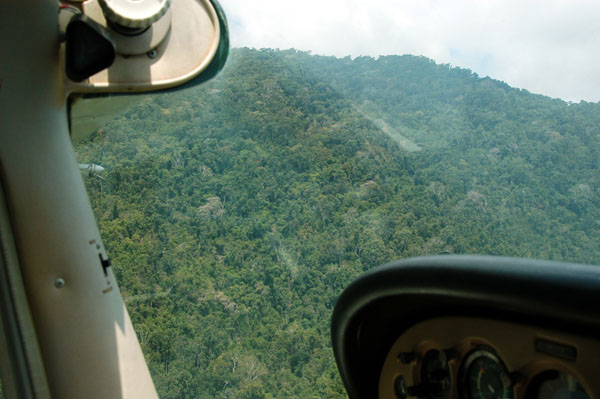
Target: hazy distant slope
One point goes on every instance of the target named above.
(237, 211)
(534, 160)
(437, 102)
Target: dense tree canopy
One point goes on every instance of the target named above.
(237, 211)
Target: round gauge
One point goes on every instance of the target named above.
(435, 374)
(483, 375)
(553, 384)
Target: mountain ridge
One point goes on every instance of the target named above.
(236, 212)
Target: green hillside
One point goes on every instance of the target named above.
(236, 212)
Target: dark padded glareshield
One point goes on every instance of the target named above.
(377, 307)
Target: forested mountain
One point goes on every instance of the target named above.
(237, 211)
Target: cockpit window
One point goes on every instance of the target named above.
(237, 211)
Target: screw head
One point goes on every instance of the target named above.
(59, 283)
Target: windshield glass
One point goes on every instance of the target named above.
(237, 211)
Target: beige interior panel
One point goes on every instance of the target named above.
(87, 343)
(514, 344)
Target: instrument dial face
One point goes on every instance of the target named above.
(483, 375)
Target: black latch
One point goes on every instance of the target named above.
(89, 48)
(105, 264)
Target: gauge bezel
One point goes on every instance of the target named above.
(533, 370)
(532, 390)
(470, 357)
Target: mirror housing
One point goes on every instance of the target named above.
(386, 301)
(188, 43)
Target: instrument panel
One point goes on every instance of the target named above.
(476, 358)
